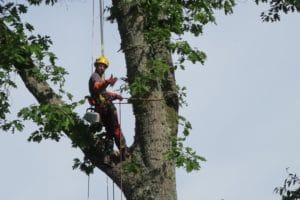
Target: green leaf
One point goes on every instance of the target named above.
(22, 8)
(70, 96)
(29, 27)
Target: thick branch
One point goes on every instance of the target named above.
(39, 89)
(44, 94)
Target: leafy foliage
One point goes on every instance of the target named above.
(147, 81)
(277, 7)
(132, 166)
(86, 166)
(173, 18)
(38, 2)
(184, 156)
(290, 189)
(21, 50)
(186, 52)
(167, 21)
(181, 91)
(52, 120)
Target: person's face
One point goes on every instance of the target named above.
(100, 68)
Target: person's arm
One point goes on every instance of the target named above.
(100, 85)
(114, 95)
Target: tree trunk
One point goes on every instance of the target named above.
(156, 118)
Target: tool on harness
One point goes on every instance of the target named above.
(92, 116)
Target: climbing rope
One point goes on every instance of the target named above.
(138, 99)
(113, 184)
(101, 9)
(143, 99)
(88, 193)
(121, 156)
(107, 191)
(93, 28)
(101, 3)
(92, 67)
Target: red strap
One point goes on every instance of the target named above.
(91, 100)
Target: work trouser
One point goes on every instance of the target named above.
(109, 118)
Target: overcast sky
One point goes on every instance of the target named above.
(244, 105)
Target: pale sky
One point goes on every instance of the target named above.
(244, 106)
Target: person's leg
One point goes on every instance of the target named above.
(117, 132)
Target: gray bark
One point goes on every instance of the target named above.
(155, 120)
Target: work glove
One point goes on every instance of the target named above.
(112, 80)
(119, 97)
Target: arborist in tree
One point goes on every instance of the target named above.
(102, 100)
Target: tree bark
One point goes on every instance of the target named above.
(156, 120)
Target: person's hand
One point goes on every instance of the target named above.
(112, 80)
(119, 97)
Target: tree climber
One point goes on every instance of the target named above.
(102, 100)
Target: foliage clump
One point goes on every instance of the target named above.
(24, 52)
(183, 156)
(277, 7)
(291, 188)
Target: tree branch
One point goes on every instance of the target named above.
(89, 144)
